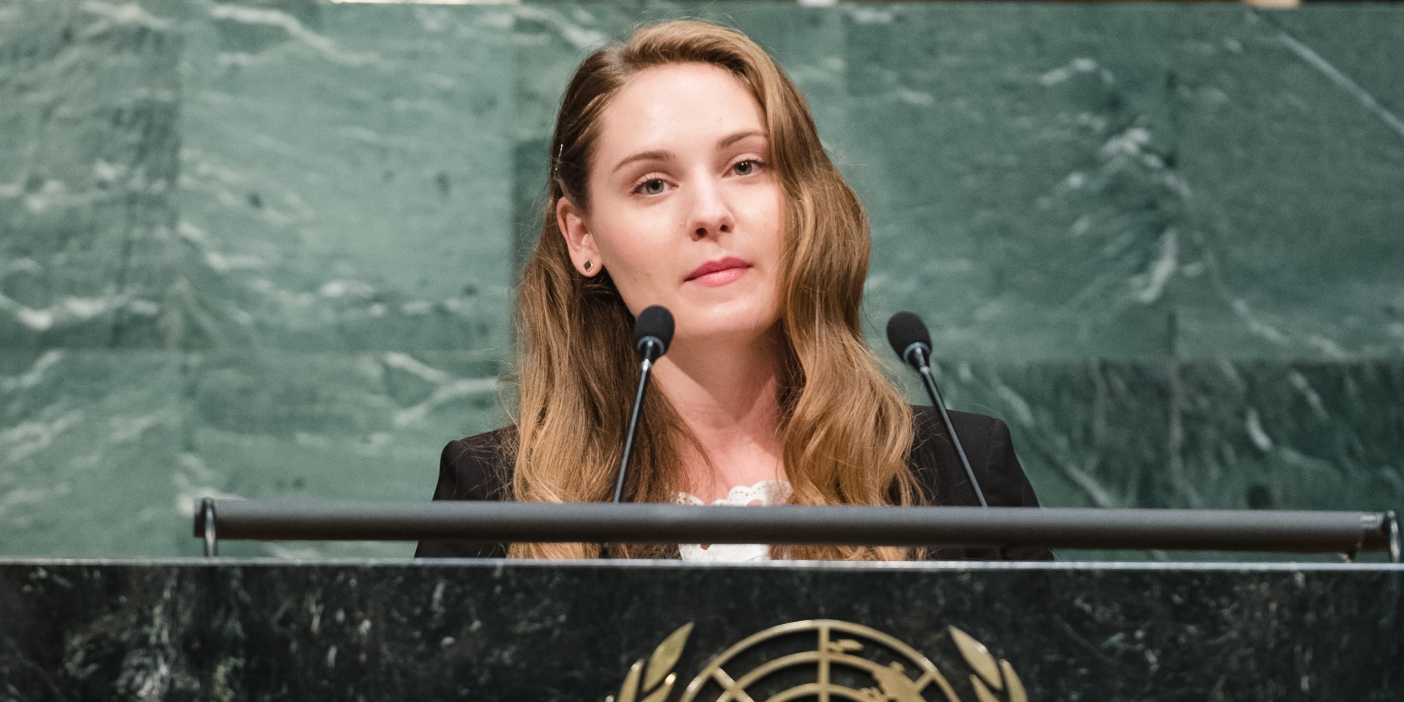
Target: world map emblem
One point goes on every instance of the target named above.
(824, 660)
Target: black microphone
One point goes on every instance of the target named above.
(912, 342)
(653, 332)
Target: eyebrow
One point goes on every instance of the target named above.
(663, 155)
(738, 137)
(644, 156)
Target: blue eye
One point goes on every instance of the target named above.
(652, 187)
(745, 168)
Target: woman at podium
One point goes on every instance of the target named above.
(687, 172)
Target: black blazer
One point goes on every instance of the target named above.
(476, 468)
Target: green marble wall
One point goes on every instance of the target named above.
(267, 248)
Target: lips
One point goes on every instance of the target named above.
(719, 272)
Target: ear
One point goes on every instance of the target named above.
(581, 243)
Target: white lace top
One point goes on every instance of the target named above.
(766, 492)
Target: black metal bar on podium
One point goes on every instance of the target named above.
(1069, 528)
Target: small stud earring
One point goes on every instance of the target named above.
(588, 266)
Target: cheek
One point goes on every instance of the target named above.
(615, 231)
(768, 221)
(634, 252)
(765, 222)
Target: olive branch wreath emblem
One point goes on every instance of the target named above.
(993, 680)
(657, 680)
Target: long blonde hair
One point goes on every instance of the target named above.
(846, 431)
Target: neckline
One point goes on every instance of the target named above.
(768, 492)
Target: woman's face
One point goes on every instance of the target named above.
(684, 210)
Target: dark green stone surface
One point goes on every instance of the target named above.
(268, 248)
(488, 630)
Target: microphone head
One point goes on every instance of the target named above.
(654, 323)
(906, 330)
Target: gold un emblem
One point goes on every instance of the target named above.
(822, 659)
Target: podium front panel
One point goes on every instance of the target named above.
(376, 630)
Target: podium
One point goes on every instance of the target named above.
(227, 629)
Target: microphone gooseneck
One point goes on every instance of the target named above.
(912, 342)
(653, 333)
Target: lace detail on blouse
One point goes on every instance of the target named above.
(766, 492)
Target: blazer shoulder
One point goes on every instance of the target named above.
(989, 448)
(980, 427)
(476, 467)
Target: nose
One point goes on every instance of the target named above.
(710, 213)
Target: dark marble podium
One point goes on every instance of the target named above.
(402, 630)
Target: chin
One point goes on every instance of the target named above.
(726, 322)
